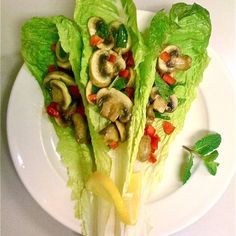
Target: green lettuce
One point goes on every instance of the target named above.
(189, 28)
(37, 36)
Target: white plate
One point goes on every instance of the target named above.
(32, 142)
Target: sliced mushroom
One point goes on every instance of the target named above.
(160, 104)
(131, 81)
(114, 105)
(150, 112)
(177, 61)
(110, 133)
(60, 93)
(92, 24)
(107, 43)
(61, 76)
(81, 128)
(114, 26)
(145, 149)
(122, 132)
(65, 65)
(154, 93)
(172, 104)
(61, 58)
(101, 70)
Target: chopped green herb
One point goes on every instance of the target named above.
(164, 90)
(102, 30)
(94, 89)
(205, 150)
(122, 37)
(120, 83)
(160, 116)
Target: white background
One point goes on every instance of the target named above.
(20, 214)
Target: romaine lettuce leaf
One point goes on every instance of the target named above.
(189, 28)
(38, 35)
(125, 12)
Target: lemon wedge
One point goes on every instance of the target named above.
(127, 207)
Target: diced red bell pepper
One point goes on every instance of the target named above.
(168, 79)
(113, 145)
(152, 158)
(53, 47)
(52, 68)
(52, 110)
(112, 58)
(130, 92)
(80, 109)
(124, 74)
(95, 40)
(74, 91)
(154, 142)
(128, 57)
(168, 127)
(149, 130)
(92, 97)
(165, 56)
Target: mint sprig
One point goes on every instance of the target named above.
(205, 150)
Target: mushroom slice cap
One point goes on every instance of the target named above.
(122, 132)
(145, 148)
(101, 71)
(131, 81)
(58, 53)
(162, 65)
(114, 26)
(61, 76)
(92, 24)
(150, 112)
(159, 104)
(114, 104)
(81, 128)
(60, 86)
(110, 133)
(65, 65)
(107, 43)
(172, 104)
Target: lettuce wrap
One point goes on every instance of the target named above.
(37, 36)
(116, 161)
(188, 27)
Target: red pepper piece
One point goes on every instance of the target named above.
(74, 91)
(152, 158)
(124, 74)
(130, 92)
(154, 142)
(165, 56)
(128, 57)
(92, 98)
(52, 110)
(80, 109)
(95, 40)
(168, 127)
(112, 58)
(53, 47)
(52, 68)
(113, 145)
(168, 79)
(150, 131)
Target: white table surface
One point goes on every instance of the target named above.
(20, 214)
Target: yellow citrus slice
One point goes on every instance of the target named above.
(103, 186)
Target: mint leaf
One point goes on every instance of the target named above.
(163, 89)
(160, 116)
(120, 83)
(207, 144)
(186, 169)
(211, 157)
(102, 30)
(122, 37)
(211, 166)
(94, 89)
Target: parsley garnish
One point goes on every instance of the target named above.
(205, 150)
